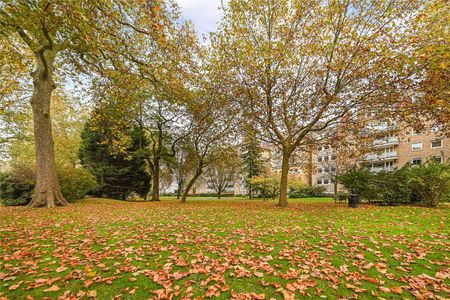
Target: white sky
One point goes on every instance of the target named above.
(204, 13)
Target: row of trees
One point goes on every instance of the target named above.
(287, 72)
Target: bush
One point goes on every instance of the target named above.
(393, 187)
(15, 202)
(361, 182)
(75, 183)
(430, 183)
(16, 186)
(306, 191)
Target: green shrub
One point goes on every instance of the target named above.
(430, 183)
(17, 186)
(306, 191)
(15, 202)
(392, 187)
(361, 182)
(75, 183)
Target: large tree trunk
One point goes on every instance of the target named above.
(155, 178)
(189, 186)
(284, 179)
(47, 192)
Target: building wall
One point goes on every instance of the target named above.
(429, 147)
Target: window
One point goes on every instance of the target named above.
(416, 161)
(327, 170)
(319, 181)
(319, 159)
(436, 144)
(417, 146)
(319, 170)
(326, 181)
(326, 158)
(333, 157)
(333, 170)
(437, 159)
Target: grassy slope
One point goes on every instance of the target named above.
(224, 247)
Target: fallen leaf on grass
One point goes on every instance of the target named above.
(61, 269)
(91, 294)
(53, 288)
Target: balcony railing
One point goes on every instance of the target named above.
(382, 156)
(380, 169)
(386, 142)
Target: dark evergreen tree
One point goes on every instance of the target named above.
(252, 161)
(117, 174)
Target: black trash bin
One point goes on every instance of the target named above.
(353, 200)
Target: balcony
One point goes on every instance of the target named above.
(380, 169)
(386, 142)
(382, 156)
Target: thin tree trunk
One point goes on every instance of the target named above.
(189, 186)
(284, 179)
(310, 169)
(155, 178)
(179, 188)
(47, 192)
(335, 187)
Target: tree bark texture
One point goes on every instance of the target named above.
(189, 186)
(282, 201)
(155, 179)
(47, 191)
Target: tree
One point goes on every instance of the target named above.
(42, 29)
(62, 33)
(252, 160)
(181, 168)
(427, 55)
(299, 67)
(117, 174)
(68, 122)
(346, 148)
(222, 171)
(212, 123)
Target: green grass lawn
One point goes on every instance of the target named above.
(246, 249)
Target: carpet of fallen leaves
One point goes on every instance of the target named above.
(104, 249)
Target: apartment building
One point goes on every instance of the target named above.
(324, 171)
(417, 147)
(394, 148)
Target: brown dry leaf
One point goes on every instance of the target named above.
(440, 275)
(91, 294)
(60, 269)
(397, 290)
(14, 287)
(259, 274)
(53, 288)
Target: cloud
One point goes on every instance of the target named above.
(204, 13)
